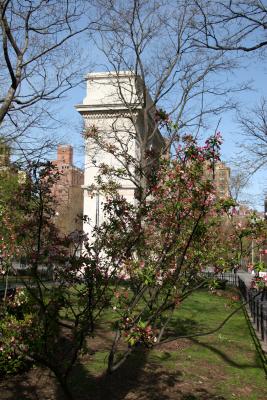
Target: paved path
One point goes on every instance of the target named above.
(246, 277)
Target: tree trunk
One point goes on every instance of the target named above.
(6, 286)
(64, 386)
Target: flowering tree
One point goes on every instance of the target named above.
(161, 246)
(45, 322)
(11, 216)
(141, 262)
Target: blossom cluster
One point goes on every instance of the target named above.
(138, 332)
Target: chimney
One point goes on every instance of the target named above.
(65, 154)
(4, 153)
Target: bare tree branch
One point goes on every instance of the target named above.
(232, 25)
(40, 57)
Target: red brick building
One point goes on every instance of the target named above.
(68, 191)
(221, 177)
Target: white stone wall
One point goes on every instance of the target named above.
(110, 100)
(118, 136)
(111, 90)
(94, 156)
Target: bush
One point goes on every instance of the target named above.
(219, 284)
(13, 343)
(16, 334)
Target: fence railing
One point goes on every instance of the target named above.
(21, 279)
(257, 302)
(229, 277)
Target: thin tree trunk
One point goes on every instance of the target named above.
(6, 286)
(64, 386)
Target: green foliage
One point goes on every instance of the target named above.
(16, 337)
(259, 266)
(217, 284)
(162, 244)
(26, 334)
(143, 261)
(228, 353)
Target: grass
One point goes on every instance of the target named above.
(221, 366)
(19, 280)
(15, 280)
(224, 365)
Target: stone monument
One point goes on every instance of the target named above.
(114, 108)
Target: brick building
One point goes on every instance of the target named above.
(221, 176)
(8, 168)
(68, 191)
(222, 179)
(4, 154)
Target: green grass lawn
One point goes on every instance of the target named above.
(17, 280)
(221, 366)
(224, 365)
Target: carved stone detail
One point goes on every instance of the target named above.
(106, 115)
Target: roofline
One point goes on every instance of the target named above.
(110, 74)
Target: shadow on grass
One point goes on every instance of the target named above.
(187, 327)
(182, 327)
(225, 357)
(108, 386)
(16, 390)
(202, 395)
(143, 379)
(35, 384)
(137, 379)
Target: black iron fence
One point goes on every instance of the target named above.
(257, 302)
(230, 278)
(22, 278)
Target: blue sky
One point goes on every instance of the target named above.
(253, 70)
(256, 71)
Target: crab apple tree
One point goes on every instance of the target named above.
(158, 248)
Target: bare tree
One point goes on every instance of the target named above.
(238, 182)
(155, 41)
(239, 28)
(254, 130)
(39, 61)
(232, 24)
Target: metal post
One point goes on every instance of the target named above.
(97, 210)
